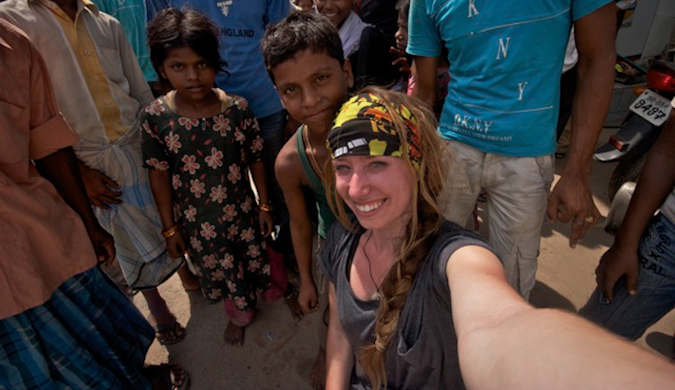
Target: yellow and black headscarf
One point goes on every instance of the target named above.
(364, 126)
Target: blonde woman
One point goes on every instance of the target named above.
(417, 302)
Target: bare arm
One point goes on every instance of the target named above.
(571, 199)
(527, 348)
(656, 182)
(339, 353)
(160, 183)
(61, 168)
(288, 170)
(260, 181)
(425, 87)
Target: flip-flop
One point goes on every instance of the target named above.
(170, 334)
(167, 377)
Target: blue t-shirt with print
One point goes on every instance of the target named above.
(505, 65)
(242, 24)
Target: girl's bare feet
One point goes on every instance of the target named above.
(234, 335)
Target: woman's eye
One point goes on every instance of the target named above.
(177, 67)
(202, 65)
(341, 169)
(378, 164)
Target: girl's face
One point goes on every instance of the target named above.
(335, 10)
(189, 74)
(401, 34)
(378, 189)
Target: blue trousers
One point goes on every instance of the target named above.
(630, 315)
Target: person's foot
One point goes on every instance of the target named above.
(170, 334)
(167, 377)
(317, 377)
(234, 335)
(291, 298)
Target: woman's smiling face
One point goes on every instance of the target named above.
(378, 189)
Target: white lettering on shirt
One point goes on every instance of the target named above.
(521, 89)
(503, 47)
(472, 8)
(471, 123)
(225, 7)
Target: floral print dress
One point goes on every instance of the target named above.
(214, 204)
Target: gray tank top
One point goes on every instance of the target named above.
(423, 354)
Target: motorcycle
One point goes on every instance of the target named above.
(641, 128)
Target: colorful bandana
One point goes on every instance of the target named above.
(364, 127)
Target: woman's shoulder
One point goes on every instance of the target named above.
(336, 248)
(452, 237)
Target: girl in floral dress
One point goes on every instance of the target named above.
(200, 144)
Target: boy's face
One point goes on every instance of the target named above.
(335, 10)
(312, 86)
(306, 5)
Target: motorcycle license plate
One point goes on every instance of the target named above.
(652, 107)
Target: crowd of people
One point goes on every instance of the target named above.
(236, 142)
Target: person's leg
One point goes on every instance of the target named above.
(189, 280)
(518, 189)
(317, 376)
(630, 315)
(239, 320)
(167, 330)
(463, 184)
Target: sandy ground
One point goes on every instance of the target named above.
(278, 351)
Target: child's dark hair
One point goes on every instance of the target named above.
(403, 6)
(298, 32)
(173, 28)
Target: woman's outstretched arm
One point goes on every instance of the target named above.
(339, 353)
(506, 343)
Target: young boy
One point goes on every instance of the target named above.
(304, 58)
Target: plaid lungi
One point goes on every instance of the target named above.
(134, 224)
(88, 335)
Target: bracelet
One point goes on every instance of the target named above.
(166, 233)
(265, 206)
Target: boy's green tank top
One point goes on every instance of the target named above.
(325, 215)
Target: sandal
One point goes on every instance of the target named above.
(167, 377)
(170, 334)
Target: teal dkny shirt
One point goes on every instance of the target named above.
(505, 64)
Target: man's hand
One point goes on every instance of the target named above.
(103, 243)
(615, 263)
(308, 297)
(100, 188)
(266, 222)
(175, 245)
(571, 200)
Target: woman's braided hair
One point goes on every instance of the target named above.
(420, 233)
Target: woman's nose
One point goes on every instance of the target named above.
(358, 185)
